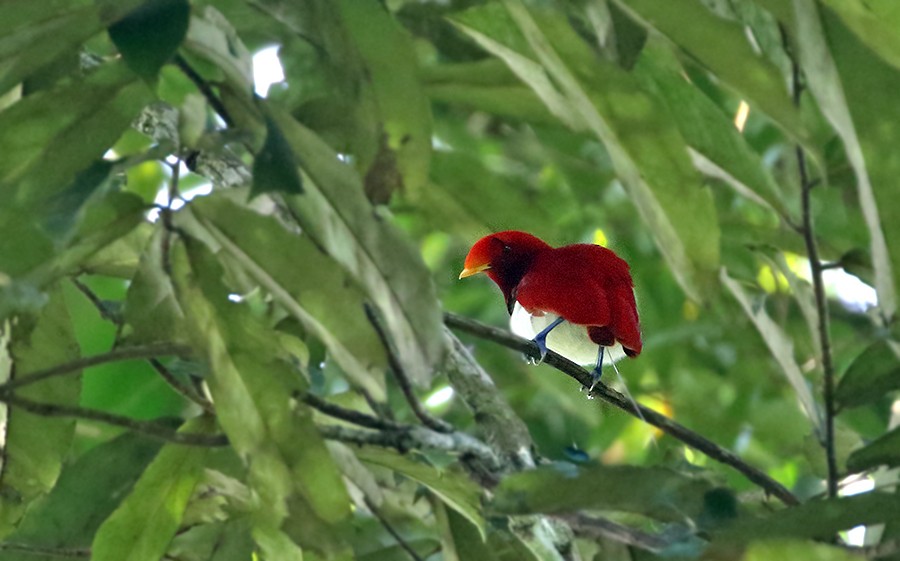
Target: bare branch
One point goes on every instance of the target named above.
(596, 527)
(604, 392)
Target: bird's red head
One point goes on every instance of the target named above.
(505, 257)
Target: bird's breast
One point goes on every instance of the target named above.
(568, 339)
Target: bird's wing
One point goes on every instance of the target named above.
(565, 289)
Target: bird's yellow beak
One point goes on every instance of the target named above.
(469, 271)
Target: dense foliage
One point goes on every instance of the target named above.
(232, 326)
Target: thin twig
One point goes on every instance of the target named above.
(45, 551)
(611, 396)
(149, 428)
(402, 379)
(349, 415)
(178, 386)
(387, 526)
(205, 89)
(96, 301)
(815, 265)
(124, 353)
(816, 268)
(183, 389)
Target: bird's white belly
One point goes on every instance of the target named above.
(568, 339)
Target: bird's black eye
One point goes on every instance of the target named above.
(506, 248)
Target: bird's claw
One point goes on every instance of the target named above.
(541, 343)
(596, 373)
(541, 338)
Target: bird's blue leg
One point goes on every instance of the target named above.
(541, 338)
(598, 369)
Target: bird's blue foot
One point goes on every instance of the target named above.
(597, 372)
(541, 338)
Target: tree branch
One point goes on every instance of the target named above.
(601, 390)
(124, 353)
(414, 438)
(149, 428)
(499, 424)
(595, 527)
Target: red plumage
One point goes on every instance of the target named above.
(587, 285)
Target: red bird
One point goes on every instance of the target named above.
(577, 300)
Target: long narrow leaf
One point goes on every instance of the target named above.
(781, 347)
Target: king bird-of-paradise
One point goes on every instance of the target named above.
(576, 300)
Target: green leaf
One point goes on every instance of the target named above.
(875, 23)
(71, 125)
(720, 149)
(659, 493)
(336, 215)
(511, 102)
(85, 494)
(866, 81)
(780, 345)
(389, 56)
(104, 222)
(647, 151)
(122, 257)
(874, 373)
(152, 312)
(30, 465)
(214, 39)
(456, 490)
(820, 519)
(149, 36)
(37, 34)
(722, 47)
(274, 168)
(466, 538)
(252, 389)
(885, 450)
(309, 285)
(146, 521)
(470, 200)
(796, 549)
(852, 88)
